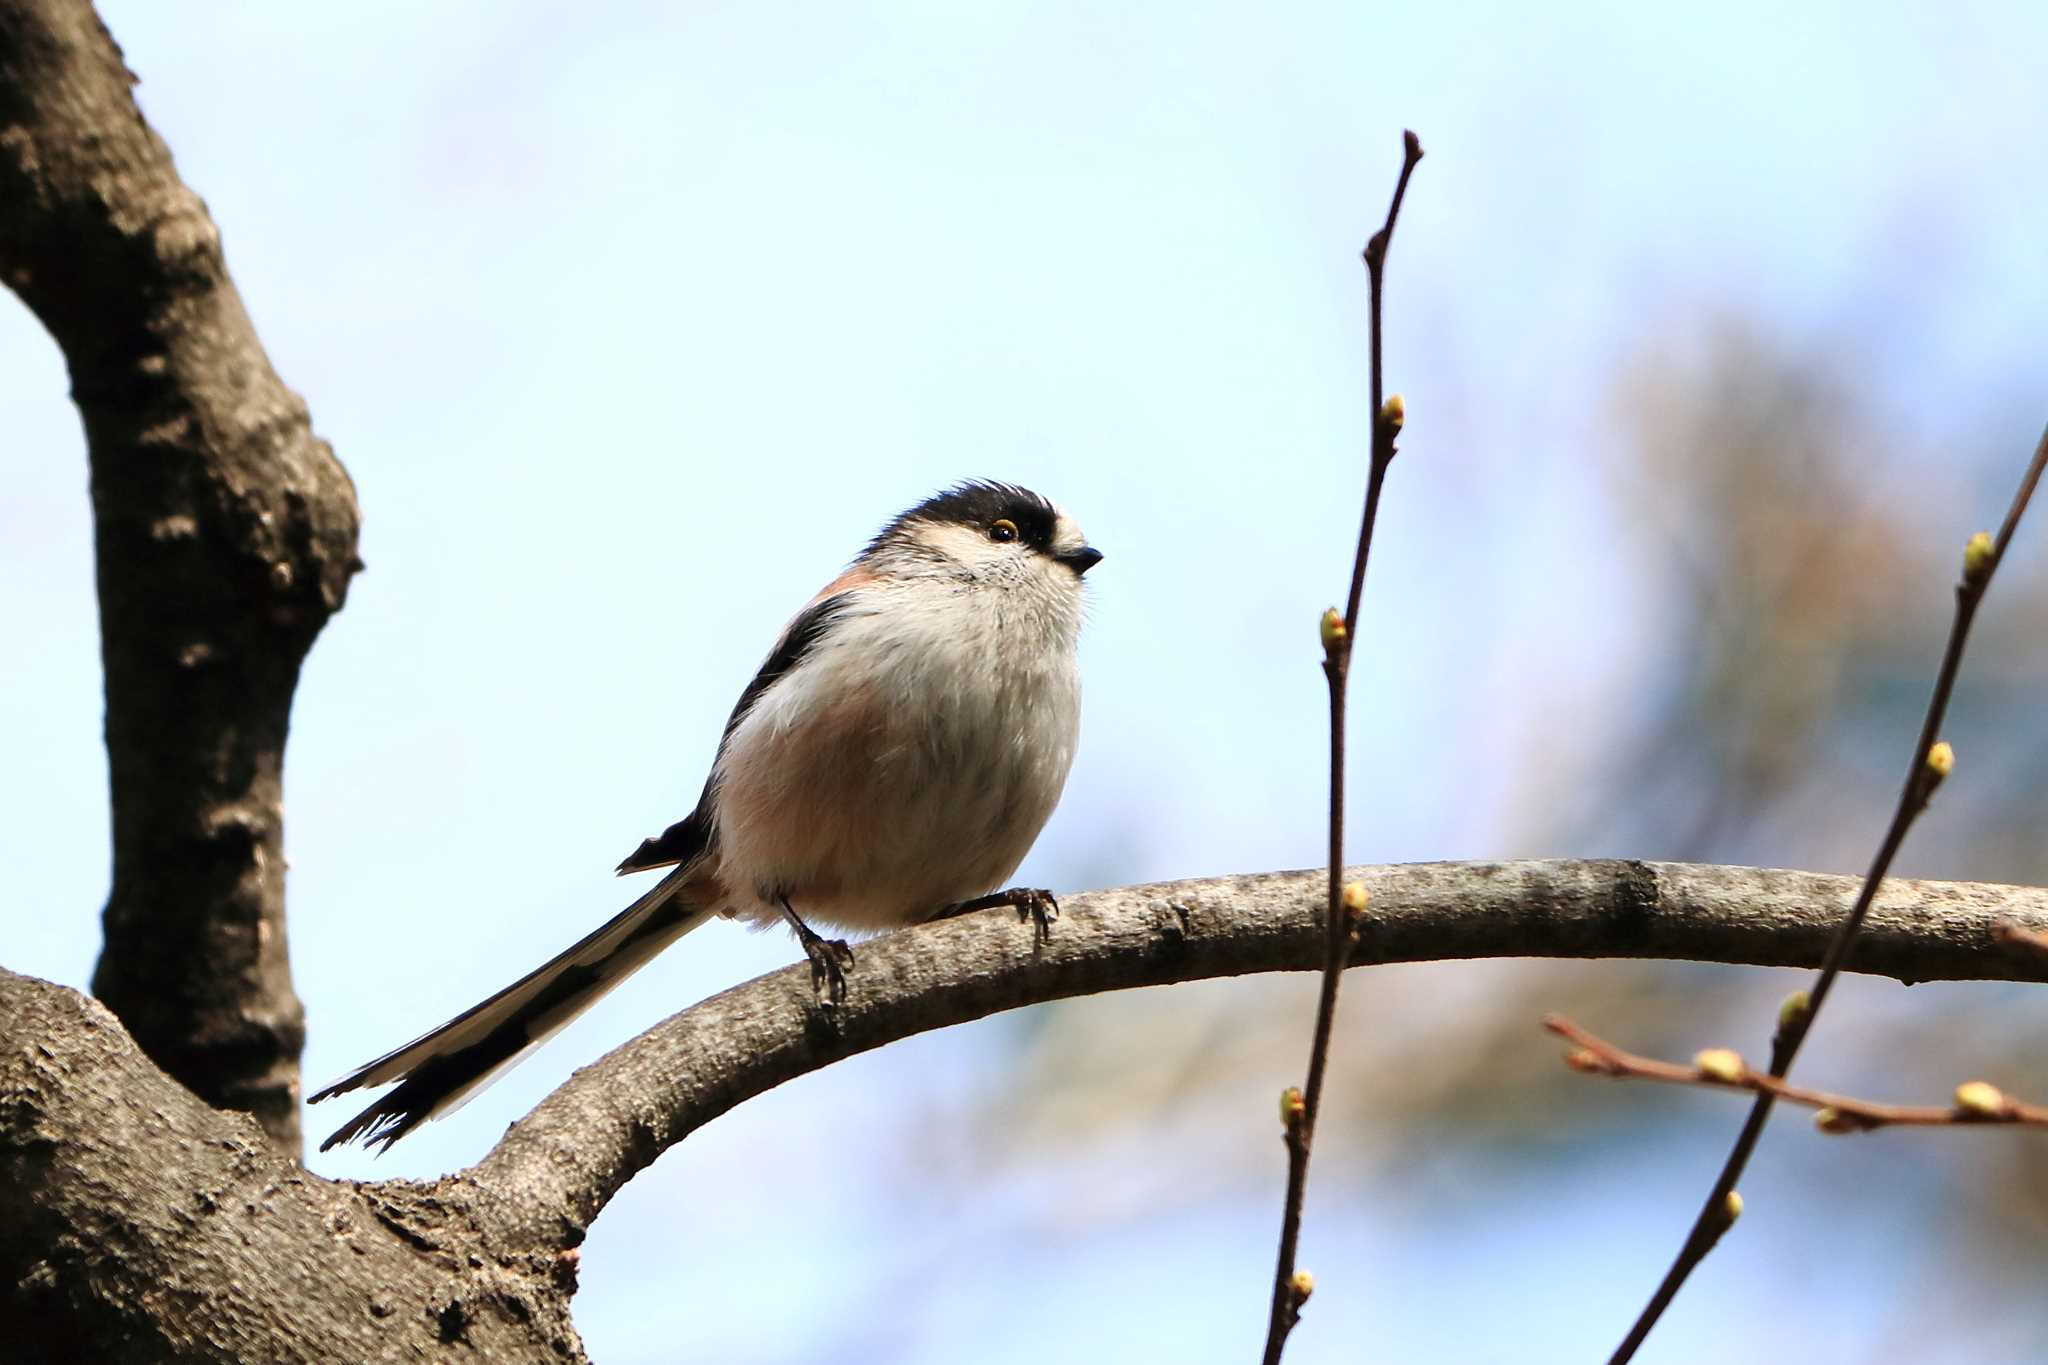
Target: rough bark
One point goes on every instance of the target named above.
(136, 1224)
(557, 1167)
(225, 536)
(139, 1225)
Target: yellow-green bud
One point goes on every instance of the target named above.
(1941, 759)
(1793, 1010)
(1333, 630)
(1303, 1284)
(1833, 1121)
(1980, 1099)
(1720, 1064)
(1291, 1106)
(1731, 1207)
(1977, 558)
(1394, 412)
(1356, 897)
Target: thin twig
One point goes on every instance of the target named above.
(1929, 762)
(1298, 1108)
(1385, 425)
(1976, 1102)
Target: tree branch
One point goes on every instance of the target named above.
(1929, 764)
(1299, 1107)
(557, 1168)
(1720, 1068)
(139, 1225)
(225, 536)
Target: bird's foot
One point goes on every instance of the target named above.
(1033, 903)
(830, 957)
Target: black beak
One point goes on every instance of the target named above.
(1081, 560)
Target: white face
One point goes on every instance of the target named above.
(999, 552)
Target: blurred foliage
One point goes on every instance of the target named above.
(1807, 547)
(1794, 545)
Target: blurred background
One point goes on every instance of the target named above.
(1719, 336)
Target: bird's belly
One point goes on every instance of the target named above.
(868, 813)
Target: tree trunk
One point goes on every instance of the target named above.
(225, 535)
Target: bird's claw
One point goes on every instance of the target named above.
(1036, 904)
(830, 957)
(1033, 903)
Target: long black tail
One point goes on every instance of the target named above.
(442, 1069)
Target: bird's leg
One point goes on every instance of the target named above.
(1032, 903)
(830, 957)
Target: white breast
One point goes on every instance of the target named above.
(908, 762)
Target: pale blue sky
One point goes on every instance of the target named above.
(632, 322)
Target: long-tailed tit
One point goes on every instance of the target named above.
(893, 761)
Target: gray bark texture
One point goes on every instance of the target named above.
(224, 533)
(136, 1224)
(139, 1225)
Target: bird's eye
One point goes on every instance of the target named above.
(1002, 530)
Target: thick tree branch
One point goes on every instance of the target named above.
(225, 535)
(138, 1224)
(557, 1168)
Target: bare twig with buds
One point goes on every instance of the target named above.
(1298, 1107)
(1932, 761)
(1720, 1068)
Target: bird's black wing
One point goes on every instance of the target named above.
(688, 837)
